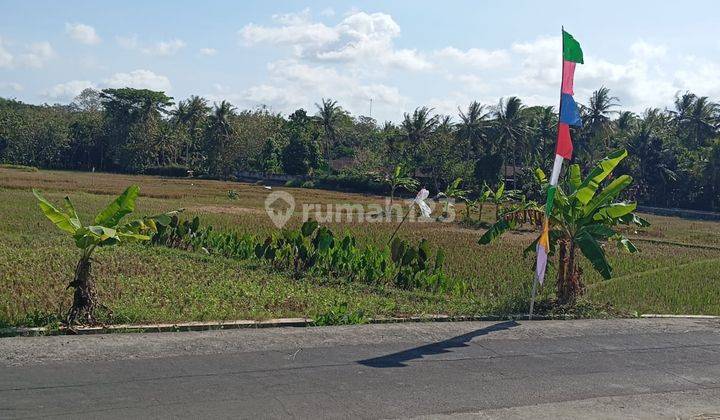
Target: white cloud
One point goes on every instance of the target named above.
(6, 59)
(293, 84)
(165, 48)
(68, 90)
(127, 42)
(327, 12)
(364, 39)
(15, 87)
(82, 33)
(208, 51)
(296, 29)
(160, 48)
(699, 76)
(139, 79)
(37, 54)
(539, 62)
(642, 49)
(475, 57)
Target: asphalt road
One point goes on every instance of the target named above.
(645, 368)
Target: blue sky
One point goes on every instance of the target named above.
(400, 54)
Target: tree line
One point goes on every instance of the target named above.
(674, 152)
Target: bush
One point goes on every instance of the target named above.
(351, 183)
(18, 167)
(315, 250)
(176, 171)
(294, 183)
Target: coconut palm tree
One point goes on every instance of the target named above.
(328, 115)
(219, 131)
(473, 126)
(419, 125)
(511, 127)
(702, 123)
(597, 120)
(197, 114)
(417, 128)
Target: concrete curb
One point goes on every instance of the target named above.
(276, 323)
(237, 324)
(679, 316)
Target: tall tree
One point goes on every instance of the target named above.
(511, 126)
(218, 137)
(472, 129)
(328, 115)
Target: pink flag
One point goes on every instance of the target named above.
(568, 74)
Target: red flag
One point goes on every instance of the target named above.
(564, 145)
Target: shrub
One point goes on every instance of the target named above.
(23, 168)
(175, 171)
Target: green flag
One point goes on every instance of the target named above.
(571, 49)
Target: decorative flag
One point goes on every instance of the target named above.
(569, 116)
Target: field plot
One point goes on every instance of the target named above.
(677, 270)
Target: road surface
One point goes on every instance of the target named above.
(641, 368)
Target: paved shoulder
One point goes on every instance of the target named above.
(478, 369)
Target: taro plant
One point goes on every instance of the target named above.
(182, 234)
(415, 268)
(107, 229)
(583, 217)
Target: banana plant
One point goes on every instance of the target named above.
(107, 229)
(583, 216)
(398, 178)
(501, 196)
(478, 203)
(454, 192)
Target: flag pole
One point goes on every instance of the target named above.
(555, 174)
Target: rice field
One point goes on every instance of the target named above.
(677, 270)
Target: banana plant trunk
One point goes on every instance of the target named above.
(84, 296)
(569, 286)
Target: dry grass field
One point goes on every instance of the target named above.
(677, 270)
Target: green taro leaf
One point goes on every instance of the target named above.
(121, 206)
(308, 228)
(439, 259)
(397, 249)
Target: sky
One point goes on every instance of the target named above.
(376, 58)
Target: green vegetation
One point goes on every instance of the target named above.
(582, 218)
(107, 230)
(184, 276)
(674, 154)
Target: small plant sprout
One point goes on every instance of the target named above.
(106, 230)
(419, 201)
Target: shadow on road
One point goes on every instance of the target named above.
(398, 359)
